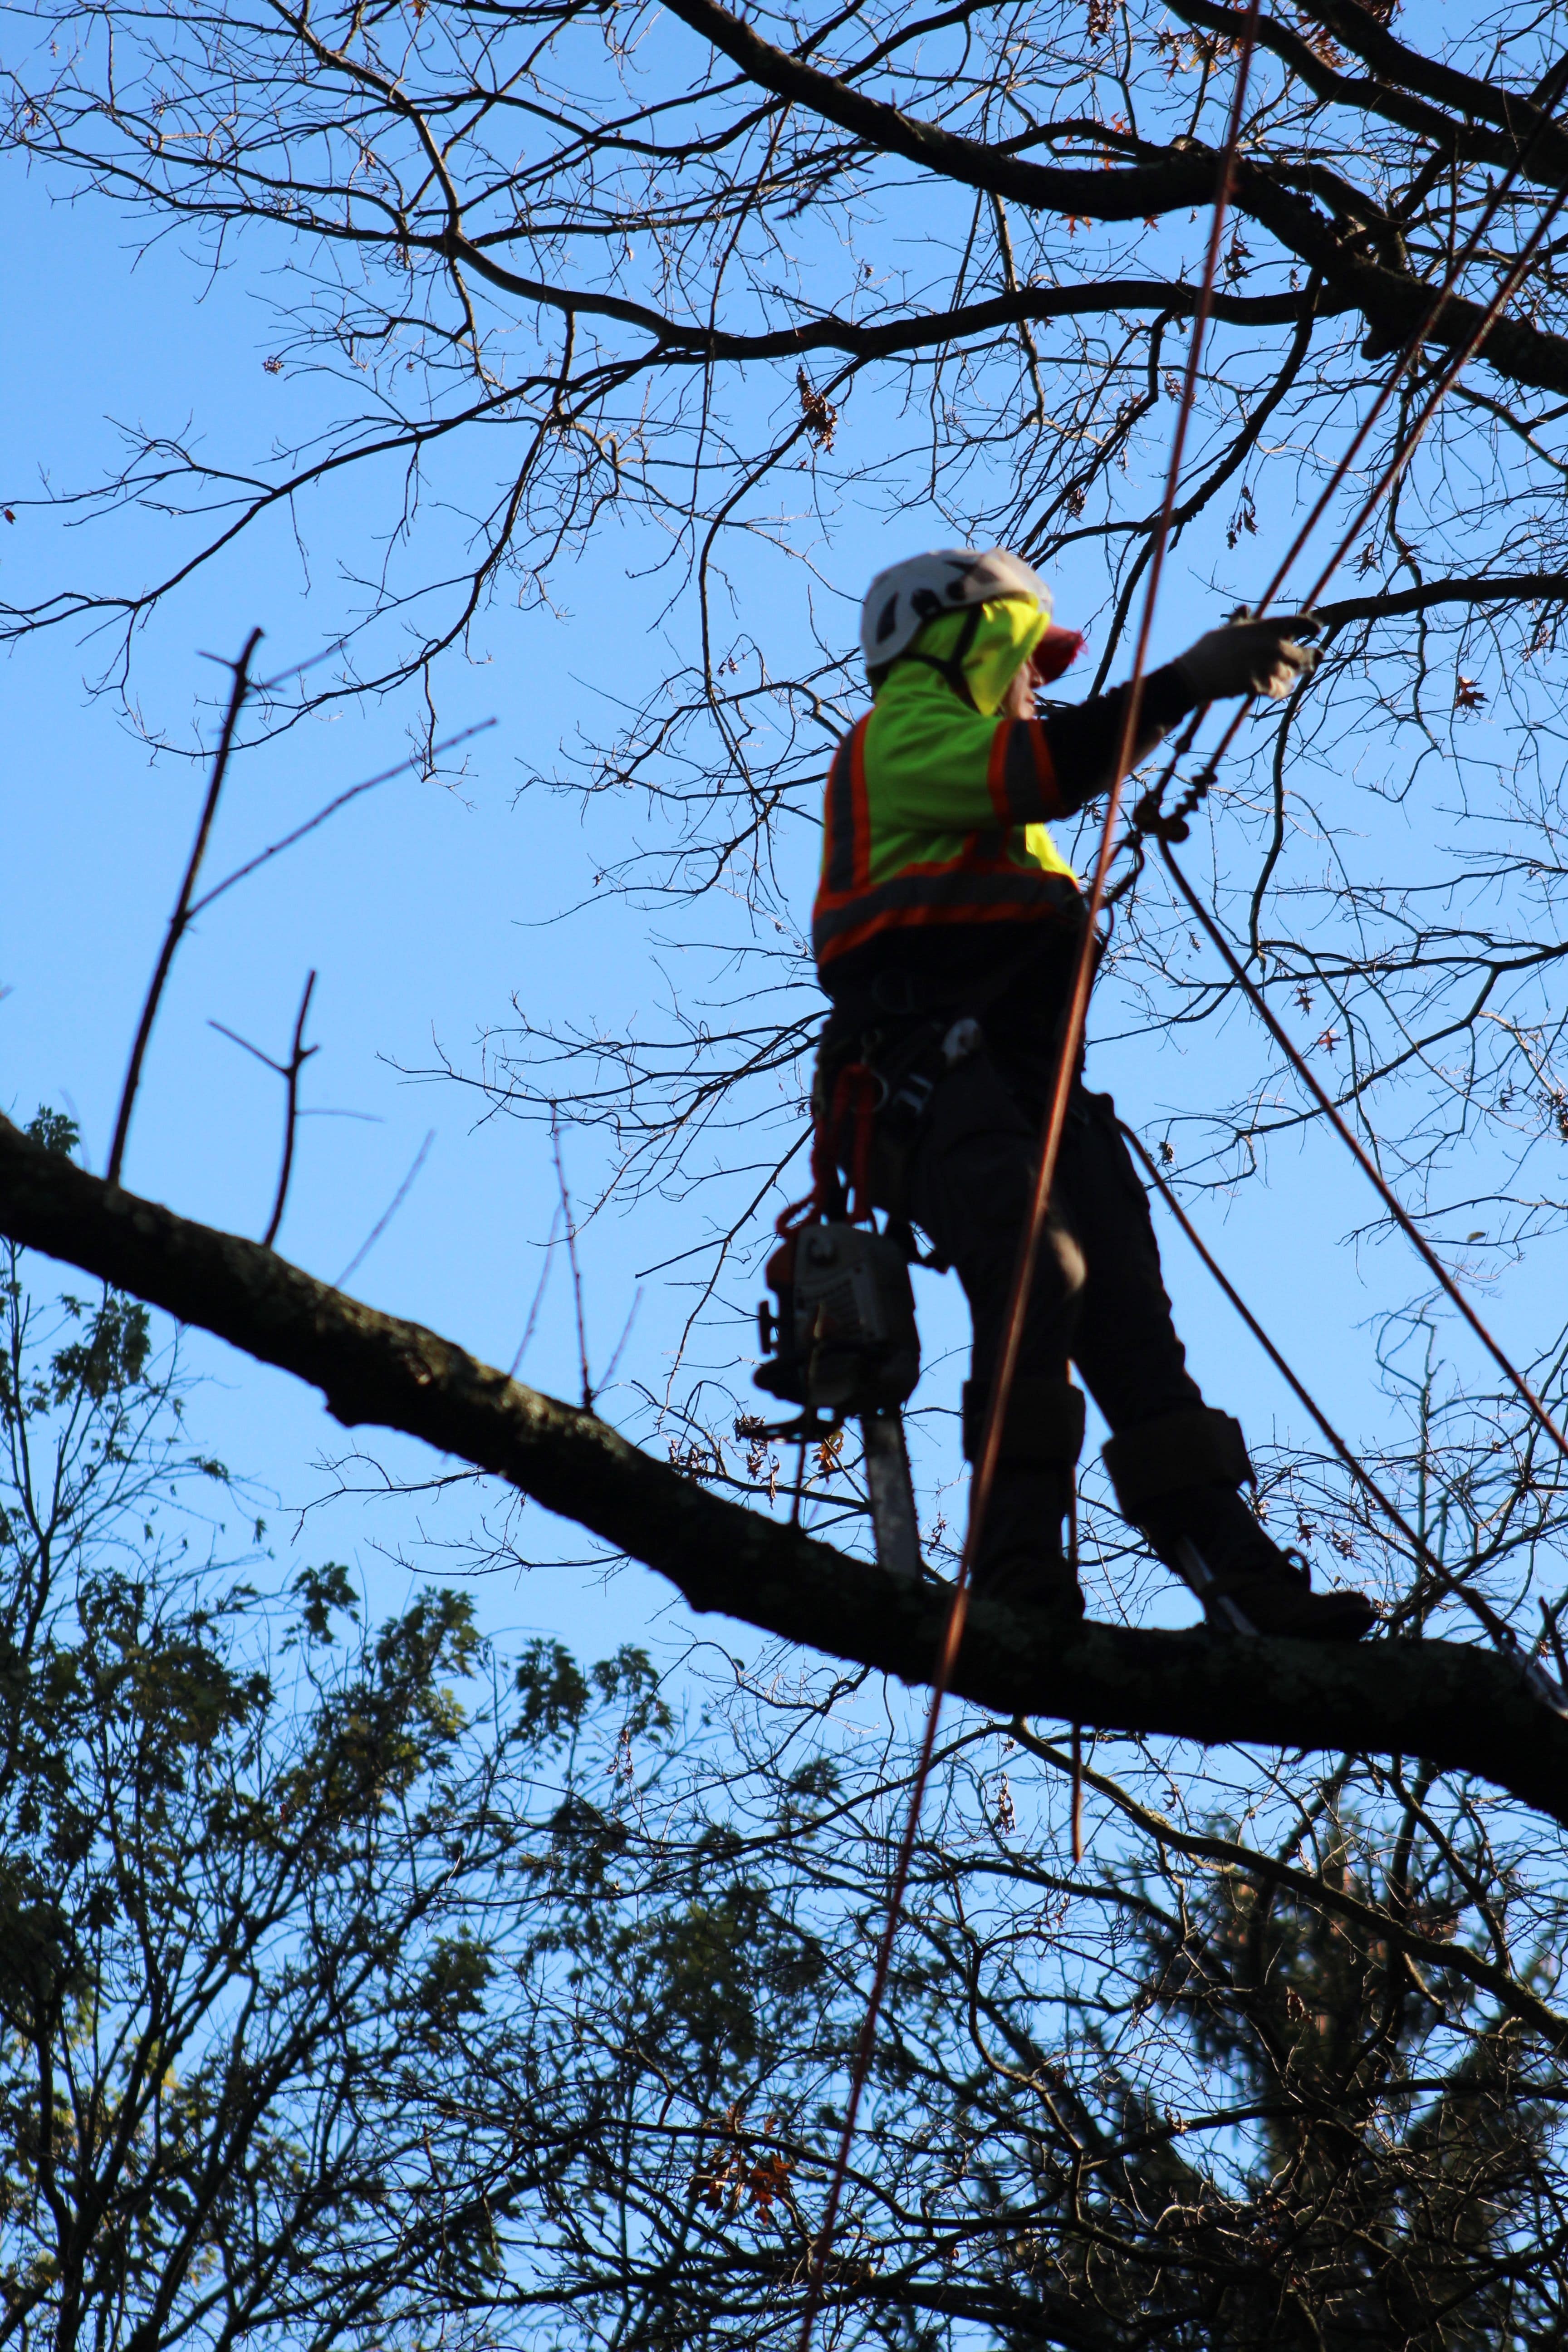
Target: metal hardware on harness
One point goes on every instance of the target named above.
(843, 1340)
(906, 1098)
(910, 1099)
(965, 1037)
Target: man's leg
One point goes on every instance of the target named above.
(1126, 1345)
(1177, 1464)
(970, 1187)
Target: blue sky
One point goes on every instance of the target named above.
(424, 910)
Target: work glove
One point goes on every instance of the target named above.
(1249, 656)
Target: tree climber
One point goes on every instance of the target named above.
(946, 927)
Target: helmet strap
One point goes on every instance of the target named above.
(950, 667)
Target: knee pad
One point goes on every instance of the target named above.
(1199, 1447)
(1043, 1428)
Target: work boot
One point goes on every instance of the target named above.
(1178, 1479)
(1021, 1562)
(1213, 1542)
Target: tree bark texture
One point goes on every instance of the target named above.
(1460, 1707)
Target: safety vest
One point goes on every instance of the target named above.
(936, 811)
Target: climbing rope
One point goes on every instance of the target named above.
(1170, 827)
(1444, 1578)
(1149, 819)
(1362, 1157)
(1148, 816)
(1023, 1273)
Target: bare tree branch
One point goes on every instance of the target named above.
(1395, 304)
(1458, 1706)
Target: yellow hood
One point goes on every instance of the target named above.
(1010, 628)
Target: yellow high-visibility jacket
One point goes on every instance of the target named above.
(937, 809)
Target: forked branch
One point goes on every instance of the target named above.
(180, 920)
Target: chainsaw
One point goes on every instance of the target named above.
(840, 1340)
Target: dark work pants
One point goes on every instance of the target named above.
(1098, 1296)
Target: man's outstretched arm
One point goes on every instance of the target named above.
(1242, 656)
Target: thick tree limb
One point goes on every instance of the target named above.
(1460, 1707)
(1395, 304)
(1528, 140)
(885, 338)
(1497, 588)
(1534, 134)
(1185, 176)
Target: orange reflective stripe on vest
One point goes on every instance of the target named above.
(898, 852)
(847, 851)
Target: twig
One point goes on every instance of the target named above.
(1077, 1727)
(386, 776)
(1078, 1792)
(538, 1295)
(289, 1071)
(383, 1222)
(620, 1344)
(571, 1258)
(311, 661)
(300, 1054)
(1555, 1636)
(798, 1496)
(184, 912)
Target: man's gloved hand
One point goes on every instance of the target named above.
(1250, 658)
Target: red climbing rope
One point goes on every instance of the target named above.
(985, 1467)
(1023, 1273)
(1172, 827)
(1411, 350)
(1363, 1159)
(1147, 816)
(856, 1096)
(1443, 1577)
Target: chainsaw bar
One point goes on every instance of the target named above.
(1199, 1579)
(892, 1496)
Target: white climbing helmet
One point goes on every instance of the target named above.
(902, 600)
